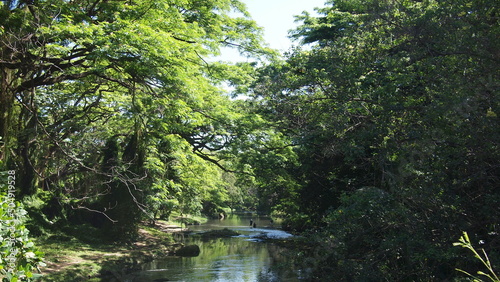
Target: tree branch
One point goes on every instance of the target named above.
(216, 162)
(48, 80)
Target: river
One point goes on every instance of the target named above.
(240, 258)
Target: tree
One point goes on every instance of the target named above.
(392, 109)
(93, 93)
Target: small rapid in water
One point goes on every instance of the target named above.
(246, 257)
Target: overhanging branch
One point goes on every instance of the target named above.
(218, 164)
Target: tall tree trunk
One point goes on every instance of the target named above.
(6, 100)
(26, 137)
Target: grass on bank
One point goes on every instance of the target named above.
(86, 259)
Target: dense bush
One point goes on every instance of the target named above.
(18, 255)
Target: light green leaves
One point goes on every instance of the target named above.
(465, 242)
(18, 255)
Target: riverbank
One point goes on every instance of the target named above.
(69, 259)
(230, 250)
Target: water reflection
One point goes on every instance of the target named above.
(240, 258)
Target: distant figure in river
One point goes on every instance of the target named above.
(251, 222)
(272, 222)
(254, 225)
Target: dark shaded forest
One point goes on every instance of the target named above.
(377, 135)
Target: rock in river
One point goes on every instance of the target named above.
(188, 251)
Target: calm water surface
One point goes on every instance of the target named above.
(242, 258)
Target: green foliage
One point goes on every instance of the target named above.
(18, 255)
(396, 96)
(114, 110)
(382, 135)
(465, 242)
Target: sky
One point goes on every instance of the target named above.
(277, 18)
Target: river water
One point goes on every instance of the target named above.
(241, 258)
